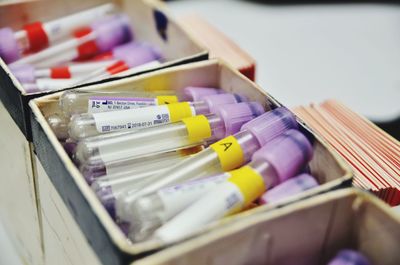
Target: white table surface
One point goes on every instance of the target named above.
(308, 54)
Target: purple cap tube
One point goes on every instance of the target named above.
(290, 143)
(271, 124)
(235, 115)
(349, 257)
(112, 31)
(192, 93)
(135, 54)
(288, 188)
(211, 102)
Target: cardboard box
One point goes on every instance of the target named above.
(18, 197)
(22, 216)
(310, 232)
(86, 213)
(174, 42)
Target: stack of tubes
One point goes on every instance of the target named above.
(83, 47)
(167, 163)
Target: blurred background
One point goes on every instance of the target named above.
(309, 51)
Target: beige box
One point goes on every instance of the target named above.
(18, 207)
(22, 215)
(310, 232)
(85, 220)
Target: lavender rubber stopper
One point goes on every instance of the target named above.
(271, 124)
(287, 154)
(235, 115)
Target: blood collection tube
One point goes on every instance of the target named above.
(349, 257)
(192, 131)
(132, 57)
(110, 186)
(36, 36)
(279, 160)
(26, 73)
(132, 166)
(101, 36)
(89, 124)
(224, 155)
(81, 101)
(288, 188)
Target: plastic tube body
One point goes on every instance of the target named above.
(90, 124)
(136, 165)
(77, 102)
(148, 141)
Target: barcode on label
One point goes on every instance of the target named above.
(106, 128)
(232, 200)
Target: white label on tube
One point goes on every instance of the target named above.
(103, 104)
(178, 197)
(132, 119)
(220, 201)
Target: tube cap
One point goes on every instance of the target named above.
(349, 257)
(112, 31)
(287, 154)
(290, 187)
(271, 124)
(135, 54)
(235, 115)
(192, 93)
(9, 48)
(25, 73)
(214, 101)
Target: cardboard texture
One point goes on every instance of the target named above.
(310, 232)
(62, 238)
(18, 207)
(101, 233)
(173, 41)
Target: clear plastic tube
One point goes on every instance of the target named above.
(148, 141)
(90, 124)
(77, 101)
(132, 166)
(131, 179)
(108, 188)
